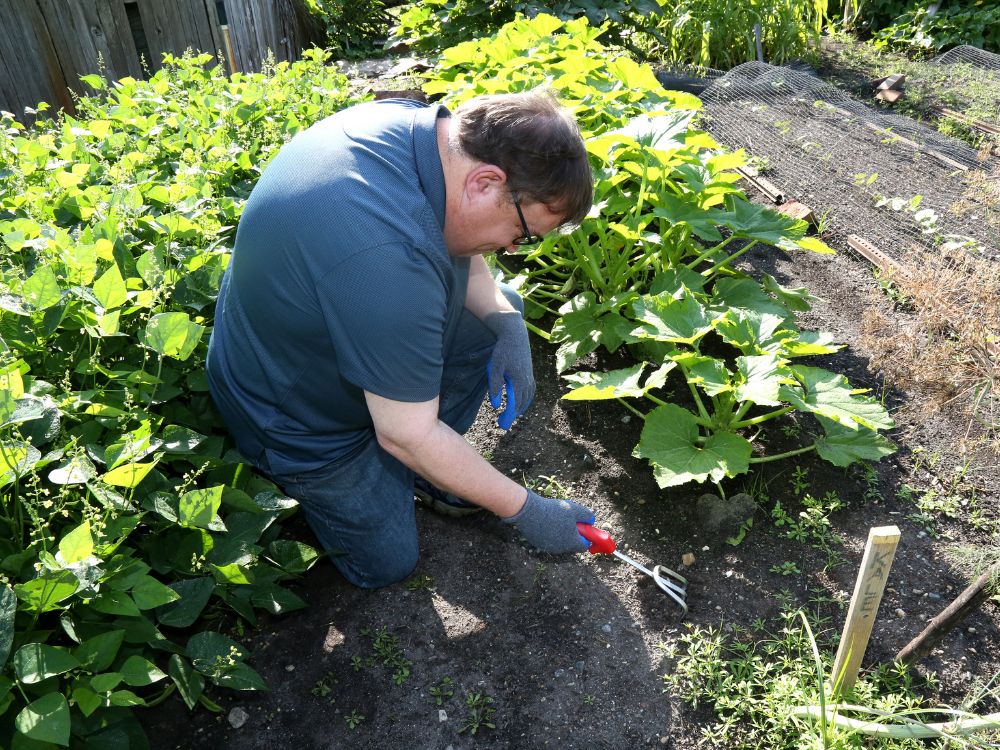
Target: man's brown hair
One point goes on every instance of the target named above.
(537, 143)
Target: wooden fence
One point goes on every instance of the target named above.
(46, 45)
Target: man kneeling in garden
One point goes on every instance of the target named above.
(358, 327)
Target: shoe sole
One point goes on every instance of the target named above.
(443, 508)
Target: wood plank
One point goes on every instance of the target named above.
(173, 26)
(33, 71)
(123, 55)
(875, 564)
(243, 26)
(90, 35)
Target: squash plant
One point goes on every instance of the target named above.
(652, 266)
(128, 527)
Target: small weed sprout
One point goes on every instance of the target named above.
(353, 719)
(442, 691)
(786, 568)
(481, 713)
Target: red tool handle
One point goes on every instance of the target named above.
(601, 542)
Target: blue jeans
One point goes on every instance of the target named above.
(361, 506)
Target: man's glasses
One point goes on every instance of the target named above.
(528, 238)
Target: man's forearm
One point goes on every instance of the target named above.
(446, 460)
(483, 296)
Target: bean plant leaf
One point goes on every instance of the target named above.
(105, 683)
(664, 318)
(138, 671)
(208, 650)
(129, 475)
(86, 700)
(670, 442)
(46, 719)
(149, 593)
(194, 594)
(178, 439)
(190, 684)
(115, 603)
(240, 677)
(45, 592)
(198, 507)
(125, 698)
(276, 599)
(98, 653)
(110, 288)
(173, 334)
(41, 290)
(78, 544)
(16, 460)
(828, 394)
(35, 662)
(843, 446)
(8, 609)
(77, 470)
(291, 556)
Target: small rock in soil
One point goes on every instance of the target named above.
(442, 715)
(606, 627)
(238, 717)
(687, 559)
(720, 516)
(900, 612)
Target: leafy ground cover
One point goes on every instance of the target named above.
(488, 643)
(125, 521)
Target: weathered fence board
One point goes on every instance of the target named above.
(47, 45)
(90, 37)
(29, 70)
(176, 25)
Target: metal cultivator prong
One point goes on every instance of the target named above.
(672, 583)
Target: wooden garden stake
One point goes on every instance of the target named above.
(875, 564)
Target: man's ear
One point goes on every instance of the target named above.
(485, 181)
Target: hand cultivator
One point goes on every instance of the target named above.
(673, 584)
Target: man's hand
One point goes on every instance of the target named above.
(510, 366)
(550, 525)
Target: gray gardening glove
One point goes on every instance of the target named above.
(510, 366)
(550, 525)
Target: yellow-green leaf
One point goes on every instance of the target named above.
(128, 475)
(78, 544)
(110, 288)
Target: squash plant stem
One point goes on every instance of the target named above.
(762, 418)
(779, 456)
(728, 260)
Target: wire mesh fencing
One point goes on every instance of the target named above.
(885, 177)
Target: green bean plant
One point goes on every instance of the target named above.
(652, 268)
(131, 536)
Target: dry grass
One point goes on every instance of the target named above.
(948, 348)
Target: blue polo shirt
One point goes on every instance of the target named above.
(339, 282)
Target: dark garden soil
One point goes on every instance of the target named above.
(569, 648)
